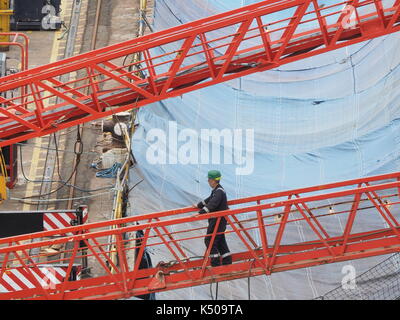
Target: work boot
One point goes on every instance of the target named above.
(227, 260)
(215, 262)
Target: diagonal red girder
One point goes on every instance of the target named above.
(195, 55)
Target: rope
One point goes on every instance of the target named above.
(78, 150)
(109, 173)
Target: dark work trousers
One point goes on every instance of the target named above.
(220, 247)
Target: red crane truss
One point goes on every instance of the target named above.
(260, 226)
(183, 59)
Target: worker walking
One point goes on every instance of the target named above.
(217, 201)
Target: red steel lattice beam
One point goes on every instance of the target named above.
(195, 55)
(271, 216)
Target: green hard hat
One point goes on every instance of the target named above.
(215, 175)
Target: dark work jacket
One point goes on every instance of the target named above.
(217, 201)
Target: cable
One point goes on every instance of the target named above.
(134, 186)
(63, 182)
(51, 149)
(212, 280)
(216, 285)
(248, 280)
(57, 157)
(66, 31)
(58, 181)
(216, 291)
(147, 22)
(78, 153)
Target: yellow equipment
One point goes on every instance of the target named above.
(3, 177)
(5, 13)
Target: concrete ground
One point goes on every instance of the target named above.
(42, 50)
(118, 22)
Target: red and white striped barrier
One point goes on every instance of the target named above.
(61, 220)
(18, 279)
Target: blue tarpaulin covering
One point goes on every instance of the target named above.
(324, 119)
